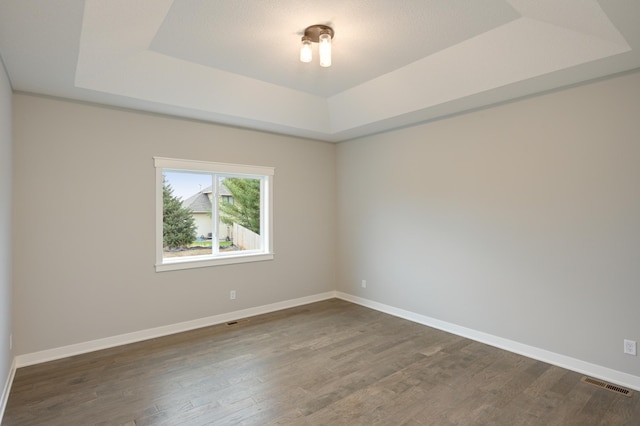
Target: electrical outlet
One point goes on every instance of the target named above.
(630, 347)
(364, 283)
(232, 295)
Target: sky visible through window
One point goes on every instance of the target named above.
(186, 184)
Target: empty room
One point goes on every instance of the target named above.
(319, 213)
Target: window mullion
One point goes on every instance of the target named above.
(263, 213)
(215, 215)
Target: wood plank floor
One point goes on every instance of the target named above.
(327, 363)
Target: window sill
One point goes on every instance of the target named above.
(190, 263)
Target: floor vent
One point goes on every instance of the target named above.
(608, 386)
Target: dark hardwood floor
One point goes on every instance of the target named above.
(327, 363)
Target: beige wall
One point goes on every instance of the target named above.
(85, 174)
(521, 220)
(5, 229)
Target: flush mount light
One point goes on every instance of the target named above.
(322, 35)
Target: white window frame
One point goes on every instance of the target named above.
(265, 174)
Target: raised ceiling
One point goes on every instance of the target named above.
(395, 63)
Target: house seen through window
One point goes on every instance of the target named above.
(211, 213)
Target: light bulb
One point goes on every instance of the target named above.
(305, 50)
(325, 49)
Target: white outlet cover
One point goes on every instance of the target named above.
(630, 347)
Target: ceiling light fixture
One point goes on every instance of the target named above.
(322, 35)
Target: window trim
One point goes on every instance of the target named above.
(266, 213)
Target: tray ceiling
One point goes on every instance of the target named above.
(236, 62)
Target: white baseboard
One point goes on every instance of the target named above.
(7, 389)
(563, 361)
(137, 336)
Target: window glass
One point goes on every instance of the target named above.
(212, 213)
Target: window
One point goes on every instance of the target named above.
(210, 214)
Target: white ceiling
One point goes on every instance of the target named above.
(395, 63)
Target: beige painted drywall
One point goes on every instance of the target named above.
(6, 356)
(521, 220)
(84, 222)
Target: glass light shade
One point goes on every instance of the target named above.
(305, 51)
(325, 50)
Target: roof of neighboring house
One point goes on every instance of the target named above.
(200, 203)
